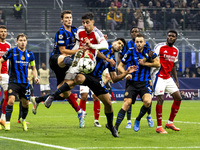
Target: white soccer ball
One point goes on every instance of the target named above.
(86, 65)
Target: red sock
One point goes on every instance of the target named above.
(159, 114)
(82, 104)
(72, 101)
(97, 107)
(113, 96)
(5, 102)
(174, 110)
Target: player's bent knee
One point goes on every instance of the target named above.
(79, 79)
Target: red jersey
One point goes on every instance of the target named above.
(167, 56)
(3, 48)
(95, 37)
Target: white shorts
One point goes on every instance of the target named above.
(85, 89)
(162, 86)
(4, 82)
(45, 87)
(71, 73)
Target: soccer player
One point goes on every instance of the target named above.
(84, 90)
(95, 83)
(134, 31)
(60, 60)
(137, 83)
(19, 58)
(163, 82)
(4, 46)
(88, 37)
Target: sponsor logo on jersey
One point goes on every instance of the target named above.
(22, 58)
(10, 91)
(169, 58)
(126, 94)
(60, 36)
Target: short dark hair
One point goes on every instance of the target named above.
(172, 31)
(3, 27)
(134, 27)
(123, 40)
(21, 35)
(89, 15)
(140, 35)
(65, 12)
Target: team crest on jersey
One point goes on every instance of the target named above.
(60, 36)
(108, 56)
(22, 58)
(126, 94)
(10, 91)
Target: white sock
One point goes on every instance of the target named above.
(158, 127)
(128, 121)
(148, 115)
(79, 111)
(3, 116)
(169, 122)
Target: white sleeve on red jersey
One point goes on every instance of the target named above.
(157, 48)
(102, 43)
(176, 59)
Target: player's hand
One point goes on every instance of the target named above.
(141, 62)
(132, 69)
(151, 53)
(84, 48)
(128, 77)
(0, 77)
(105, 36)
(87, 41)
(37, 81)
(112, 62)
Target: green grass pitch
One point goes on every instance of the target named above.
(57, 127)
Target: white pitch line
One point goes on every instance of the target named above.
(37, 143)
(194, 147)
(162, 120)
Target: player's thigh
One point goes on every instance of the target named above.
(130, 93)
(4, 82)
(171, 86)
(159, 86)
(105, 98)
(60, 61)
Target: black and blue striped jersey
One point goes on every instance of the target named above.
(101, 64)
(64, 38)
(18, 64)
(131, 44)
(131, 57)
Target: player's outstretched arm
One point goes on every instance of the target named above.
(1, 61)
(174, 74)
(102, 56)
(116, 78)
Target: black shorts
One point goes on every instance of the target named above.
(60, 72)
(95, 85)
(19, 89)
(133, 88)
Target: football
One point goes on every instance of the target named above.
(86, 65)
